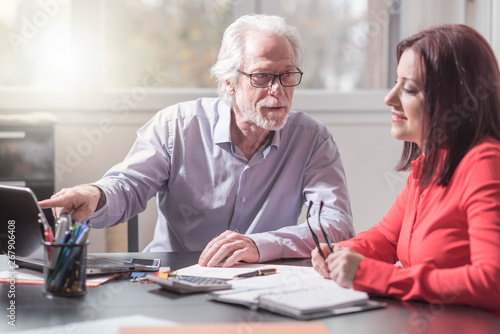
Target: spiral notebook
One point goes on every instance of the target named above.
(304, 303)
(297, 292)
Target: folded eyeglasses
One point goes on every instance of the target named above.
(315, 237)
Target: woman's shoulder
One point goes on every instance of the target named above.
(483, 156)
(489, 147)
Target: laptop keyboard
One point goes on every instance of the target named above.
(105, 263)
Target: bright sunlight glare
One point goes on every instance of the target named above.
(61, 63)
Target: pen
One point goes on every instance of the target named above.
(261, 272)
(49, 237)
(61, 228)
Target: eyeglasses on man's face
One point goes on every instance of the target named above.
(264, 80)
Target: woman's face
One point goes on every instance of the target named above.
(406, 100)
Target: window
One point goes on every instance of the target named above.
(496, 28)
(347, 42)
(178, 39)
(58, 53)
(182, 39)
(35, 50)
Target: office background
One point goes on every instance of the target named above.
(99, 69)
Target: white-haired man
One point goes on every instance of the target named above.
(230, 174)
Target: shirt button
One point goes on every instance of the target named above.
(243, 199)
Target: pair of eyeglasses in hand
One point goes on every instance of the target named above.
(315, 237)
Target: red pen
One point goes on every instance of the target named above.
(49, 237)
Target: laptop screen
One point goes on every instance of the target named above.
(18, 232)
(22, 234)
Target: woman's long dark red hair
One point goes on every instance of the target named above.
(461, 82)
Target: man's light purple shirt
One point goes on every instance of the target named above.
(204, 185)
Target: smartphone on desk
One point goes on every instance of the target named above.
(149, 264)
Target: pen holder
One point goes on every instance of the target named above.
(64, 269)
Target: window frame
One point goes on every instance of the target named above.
(91, 97)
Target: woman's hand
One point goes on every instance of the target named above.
(340, 266)
(319, 263)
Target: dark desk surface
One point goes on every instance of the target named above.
(122, 297)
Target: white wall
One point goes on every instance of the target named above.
(87, 144)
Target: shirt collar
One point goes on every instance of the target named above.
(222, 133)
(276, 138)
(416, 166)
(273, 140)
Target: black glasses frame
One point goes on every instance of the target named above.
(315, 237)
(274, 78)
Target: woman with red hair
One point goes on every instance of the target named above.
(444, 227)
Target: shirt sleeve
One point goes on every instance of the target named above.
(474, 283)
(380, 241)
(324, 179)
(130, 184)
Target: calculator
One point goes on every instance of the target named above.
(190, 284)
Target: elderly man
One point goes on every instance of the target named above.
(230, 174)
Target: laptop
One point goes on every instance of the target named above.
(21, 216)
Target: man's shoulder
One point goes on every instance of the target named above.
(298, 120)
(205, 107)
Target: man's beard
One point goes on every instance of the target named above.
(269, 120)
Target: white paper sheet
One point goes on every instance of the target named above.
(219, 272)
